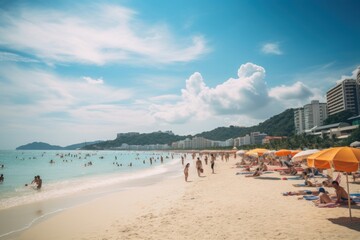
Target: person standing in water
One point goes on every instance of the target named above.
(186, 171)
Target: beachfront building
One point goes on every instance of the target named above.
(269, 139)
(338, 130)
(344, 96)
(310, 116)
(257, 137)
(201, 143)
(299, 120)
(241, 141)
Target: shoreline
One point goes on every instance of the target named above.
(17, 219)
(219, 206)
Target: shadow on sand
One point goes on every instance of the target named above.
(345, 221)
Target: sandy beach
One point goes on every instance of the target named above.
(217, 206)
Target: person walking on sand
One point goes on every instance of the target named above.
(212, 162)
(186, 171)
(199, 166)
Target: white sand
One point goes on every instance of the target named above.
(218, 206)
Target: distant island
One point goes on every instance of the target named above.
(46, 146)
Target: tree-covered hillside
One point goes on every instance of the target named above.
(278, 125)
(139, 139)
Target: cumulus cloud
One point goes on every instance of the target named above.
(271, 48)
(353, 75)
(296, 91)
(94, 35)
(235, 96)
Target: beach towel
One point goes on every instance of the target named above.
(291, 178)
(327, 205)
(311, 197)
(242, 173)
(268, 178)
(299, 185)
(354, 194)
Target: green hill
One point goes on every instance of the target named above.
(278, 125)
(139, 139)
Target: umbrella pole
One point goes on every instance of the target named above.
(347, 184)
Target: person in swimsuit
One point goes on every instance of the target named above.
(186, 171)
(1, 178)
(212, 162)
(341, 195)
(323, 197)
(39, 182)
(198, 166)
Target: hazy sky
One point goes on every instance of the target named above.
(74, 71)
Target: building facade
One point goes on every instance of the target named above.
(310, 116)
(344, 96)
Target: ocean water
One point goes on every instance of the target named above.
(71, 174)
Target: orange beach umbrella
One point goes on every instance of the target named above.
(283, 152)
(344, 159)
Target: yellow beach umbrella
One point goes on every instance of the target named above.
(257, 151)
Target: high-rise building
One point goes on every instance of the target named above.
(344, 96)
(299, 120)
(358, 90)
(309, 116)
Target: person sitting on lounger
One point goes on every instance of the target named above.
(341, 195)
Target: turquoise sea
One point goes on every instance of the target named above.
(73, 173)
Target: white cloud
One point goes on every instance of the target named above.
(238, 96)
(352, 76)
(12, 57)
(95, 35)
(271, 48)
(296, 91)
(93, 81)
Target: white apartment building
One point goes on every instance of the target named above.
(344, 96)
(310, 116)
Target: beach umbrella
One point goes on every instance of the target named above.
(294, 152)
(283, 152)
(303, 154)
(355, 144)
(240, 152)
(345, 159)
(257, 152)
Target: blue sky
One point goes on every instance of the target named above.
(73, 72)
